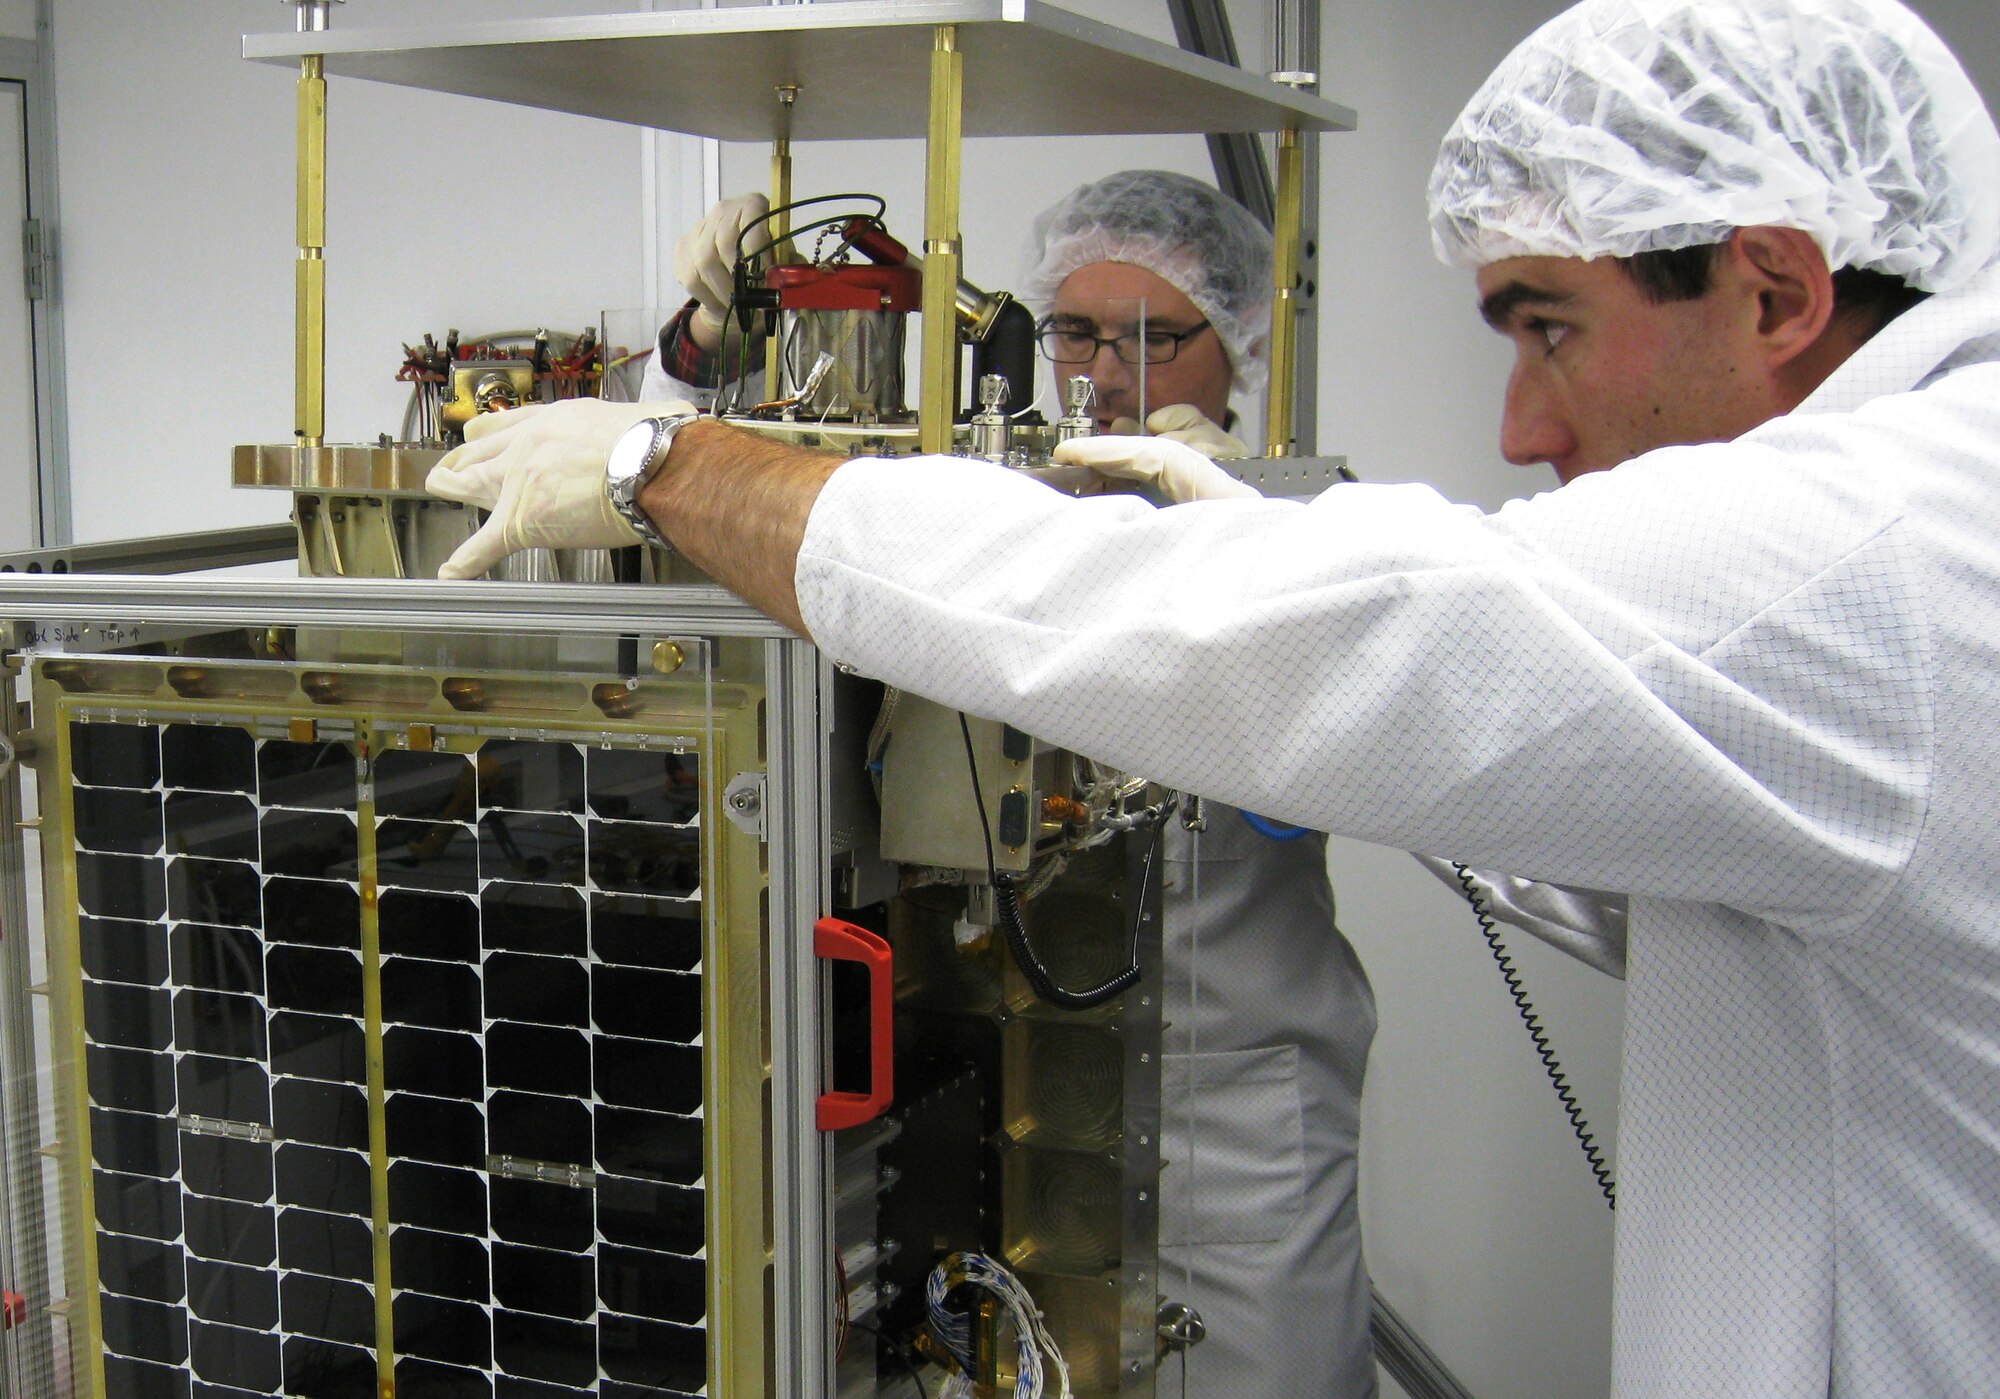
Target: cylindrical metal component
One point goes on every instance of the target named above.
(1295, 43)
(992, 431)
(1284, 291)
(937, 400)
(1180, 1326)
(865, 382)
(315, 15)
(1079, 393)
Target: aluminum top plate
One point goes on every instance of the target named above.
(861, 67)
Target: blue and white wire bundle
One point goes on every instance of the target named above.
(952, 1327)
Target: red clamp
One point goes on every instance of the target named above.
(835, 939)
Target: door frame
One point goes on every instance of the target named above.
(28, 62)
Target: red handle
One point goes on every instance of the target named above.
(837, 940)
(880, 246)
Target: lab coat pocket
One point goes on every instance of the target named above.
(1233, 1141)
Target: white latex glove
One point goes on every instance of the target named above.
(1183, 422)
(540, 471)
(705, 261)
(1176, 470)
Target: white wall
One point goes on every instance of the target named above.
(175, 162)
(1483, 1226)
(17, 19)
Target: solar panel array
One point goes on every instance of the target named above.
(540, 1003)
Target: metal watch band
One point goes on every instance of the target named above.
(623, 491)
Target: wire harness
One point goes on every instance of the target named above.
(1007, 899)
(1037, 1357)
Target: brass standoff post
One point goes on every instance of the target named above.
(309, 385)
(779, 230)
(1278, 433)
(937, 402)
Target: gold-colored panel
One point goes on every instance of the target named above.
(1064, 1084)
(1063, 1211)
(1082, 1316)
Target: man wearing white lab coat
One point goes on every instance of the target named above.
(1744, 681)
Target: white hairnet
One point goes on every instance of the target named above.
(1628, 126)
(1185, 232)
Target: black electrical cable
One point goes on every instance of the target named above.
(1007, 903)
(896, 1349)
(1490, 930)
(763, 220)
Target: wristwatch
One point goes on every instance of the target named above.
(636, 457)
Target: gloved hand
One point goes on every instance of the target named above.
(705, 262)
(1183, 422)
(1176, 470)
(540, 471)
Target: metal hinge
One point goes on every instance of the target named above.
(34, 259)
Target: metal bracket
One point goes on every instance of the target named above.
(1291, 478)
(34, 259)
(743, 803)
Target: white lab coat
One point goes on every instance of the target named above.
(1259, 1225)
(1754, 686)
(1585, 923)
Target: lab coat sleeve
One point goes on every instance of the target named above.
(1588, 925)
(658, 386)
(1622, 685)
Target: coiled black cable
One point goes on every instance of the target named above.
(1007, 905)
(1490, 930)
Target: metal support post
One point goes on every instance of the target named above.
(799, 690)
(1295, 63)
(1241, 170)
(781, 224)
(309, 390)
(937, 401)
(1305, 316)
(1278, 433)
(28, 1360)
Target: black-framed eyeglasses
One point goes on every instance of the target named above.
(1074, 345)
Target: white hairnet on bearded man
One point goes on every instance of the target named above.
(1189, 234)
(1629, 126)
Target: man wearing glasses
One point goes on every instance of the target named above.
(1200, 266)
(1270, 1013)
(1156, 288)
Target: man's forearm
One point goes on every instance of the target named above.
(736, 504)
